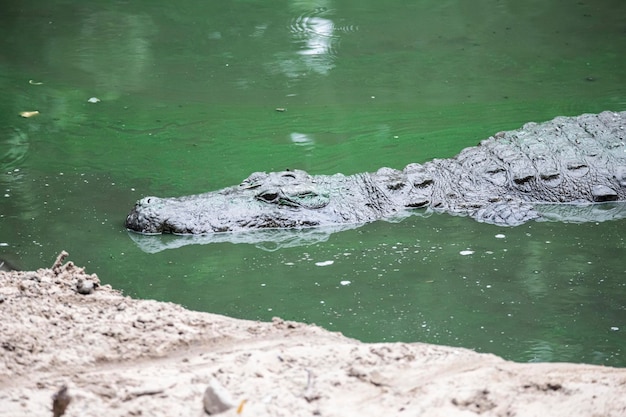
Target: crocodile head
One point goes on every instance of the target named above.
(288, 199)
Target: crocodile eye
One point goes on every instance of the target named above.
(268, 197)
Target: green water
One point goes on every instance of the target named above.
(189, 92)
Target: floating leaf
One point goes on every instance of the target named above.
(29, 113)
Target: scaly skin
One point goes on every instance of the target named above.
(568, 160)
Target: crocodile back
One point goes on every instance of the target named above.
(566, 160)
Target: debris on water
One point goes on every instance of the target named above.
(94, 100)
(500, 236)
(29, 113)
(614, 328)
(33, 82)
(324, 263)
(281, 109)
(346, 282)
(466, 252)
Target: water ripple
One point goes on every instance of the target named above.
(317, 34)
(15, 146)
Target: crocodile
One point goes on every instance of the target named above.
(505, 180)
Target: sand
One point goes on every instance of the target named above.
(68, 340)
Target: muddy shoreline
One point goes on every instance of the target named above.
(119, 356)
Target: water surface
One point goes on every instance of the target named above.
(189, 92)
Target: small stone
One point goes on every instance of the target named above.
(143, 318)
(216, 399)
(60, 400)
(84, 287)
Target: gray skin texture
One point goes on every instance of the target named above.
(503, 180)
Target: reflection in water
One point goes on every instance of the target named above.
(540, 351)
(6, 266)
(16, 192)
(114, 47)
(302, 139)
(13, 148)
(317, 38)
(266, 239)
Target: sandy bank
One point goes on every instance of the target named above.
(124, 357)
